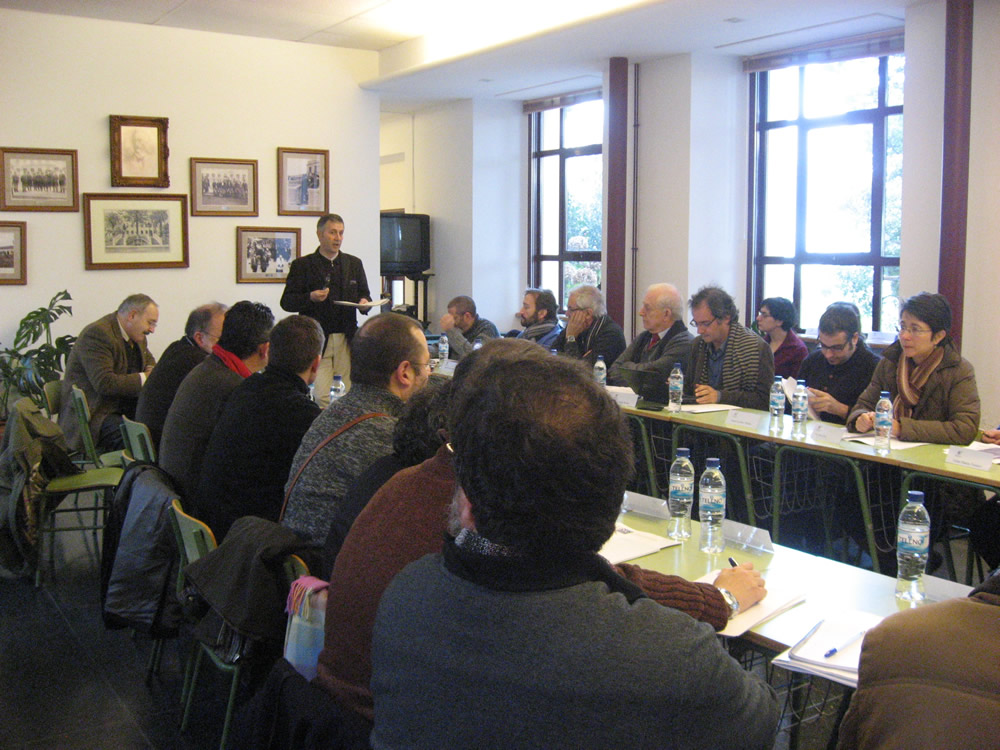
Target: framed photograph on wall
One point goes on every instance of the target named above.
(13, 252)
(303, 176)
(39, 179)
(135, 230)
(223, 187)
(263, 254)
(139, 151)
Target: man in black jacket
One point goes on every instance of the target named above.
(665, 340)
(590, 332)
(315, 284)
(250, 452)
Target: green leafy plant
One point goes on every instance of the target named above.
(25, 367)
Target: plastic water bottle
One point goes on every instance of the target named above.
(477, 344)
(337, 388)
(675, 386)
(913, 540)
(800, 410)
(712, 507)
(883, 424)
(681, 496)
(443, 347)
(777, 405)
(600, 371)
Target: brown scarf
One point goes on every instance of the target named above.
(910, 381)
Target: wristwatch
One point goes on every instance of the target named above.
(732, 601)
(570, 339)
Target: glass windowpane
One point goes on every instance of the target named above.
(549, 275)
(779, 281)
(548, 195)
(576, 272)
(783, 94)
(838, 190)
(823, 284)
(583, 124)
(890, 298)
(894, 81)
(584, 202)
(779, 198)
(892, 206)
(839, 87)
(550, 129)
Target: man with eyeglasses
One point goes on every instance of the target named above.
(729, 363)
(201, 333)
(842, 367)
(590, 332)
(664, 341)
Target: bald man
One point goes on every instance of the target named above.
(664, 340)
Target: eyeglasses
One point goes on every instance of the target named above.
(420, 364)
(699, 324)
(576, 309)
(763, 314)
(912, 330)
(833, 347)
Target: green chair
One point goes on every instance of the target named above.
(194, 540)
(82, 410)
(53, 398)
(138, 441)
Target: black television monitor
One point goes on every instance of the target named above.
(406, 244)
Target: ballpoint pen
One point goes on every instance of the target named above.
(845, 644)
(733, 563)
(794, 650)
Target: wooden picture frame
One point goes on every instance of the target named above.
(139, 151)
(223, 187)
(303, 180)
(13, 252)
(135, 230)
(39, 179)
(264, 254)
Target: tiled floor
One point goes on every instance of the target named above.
(69, 683)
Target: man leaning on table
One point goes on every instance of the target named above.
(729, 364)
(519, 634)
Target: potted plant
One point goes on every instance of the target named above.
(25, 367)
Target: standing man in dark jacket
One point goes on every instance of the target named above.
(315, 284)
(245, 467)
(665, 340)
(202, 331)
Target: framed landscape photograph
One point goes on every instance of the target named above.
(13, 252)
(135, 230)
(223, 187)
(263, 254)
(302, 182)
(38, 179)
(139, 151)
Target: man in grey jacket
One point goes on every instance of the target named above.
(519, 634)
(389, 363)
(665, 340)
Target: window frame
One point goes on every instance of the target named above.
(878, 119)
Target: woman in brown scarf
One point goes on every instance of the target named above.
(933, 389)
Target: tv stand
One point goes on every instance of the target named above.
(419, 280)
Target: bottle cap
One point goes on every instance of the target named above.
(777, 378)
(914, 496)
(801, 382)
(677, 364)
(711, 463)
(683, 453)
(885, 394)
(600, 357)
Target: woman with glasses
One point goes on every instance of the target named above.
(933, 389)
(776, 320)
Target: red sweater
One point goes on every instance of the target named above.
(405, 520)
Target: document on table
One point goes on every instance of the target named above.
(789, 385)
(779, 599)
(628, 544)
(842, 634)
(375, 303)
(868, 438)
(705, 408)
(993, 450)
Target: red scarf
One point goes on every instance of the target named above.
(231, 361)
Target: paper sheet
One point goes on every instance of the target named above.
(628, 544)
(993, 450)
(704, 408)
(843, 631)
(869, 439)
(376, 303)
(778, 599)
(789, 385)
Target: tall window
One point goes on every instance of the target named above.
(827, 187)
(567, 179)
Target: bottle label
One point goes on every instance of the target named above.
(682, 491)
(778, 401)
(914, 542)
(713, 501)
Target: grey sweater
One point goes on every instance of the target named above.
(325, 481)
(459, 665)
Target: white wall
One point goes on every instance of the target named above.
(923, 140)
(226, 97)
(982, 262)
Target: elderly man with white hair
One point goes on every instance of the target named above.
(590, 332)
(664, 341)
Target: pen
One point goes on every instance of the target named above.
(845, 644)
(794, 650)
(733, 563)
